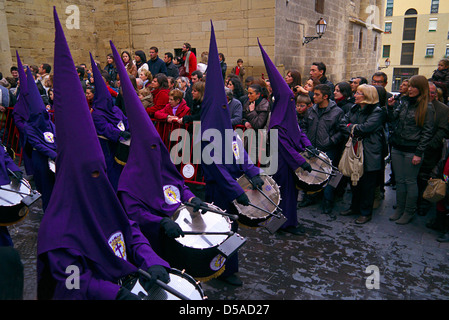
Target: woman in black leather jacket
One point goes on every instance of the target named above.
(368, 118)
(413, 131)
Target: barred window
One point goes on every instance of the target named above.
(434, 6)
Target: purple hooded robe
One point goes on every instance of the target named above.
(149, 176)
(229, 158)
(291, 140)
(85, 229)
(109, 122)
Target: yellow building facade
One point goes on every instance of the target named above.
(416, 38)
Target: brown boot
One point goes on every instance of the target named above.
(405, 218)
(397, 214)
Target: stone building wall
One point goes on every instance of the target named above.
(167, 24)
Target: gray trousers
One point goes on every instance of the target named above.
(406, 175)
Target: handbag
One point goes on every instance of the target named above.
(351, 162)
(435, 190)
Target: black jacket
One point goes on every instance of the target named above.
(322, 129)
(370, 131)
(407, 135)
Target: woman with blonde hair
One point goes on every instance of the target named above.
(366, 119)
(413, 131)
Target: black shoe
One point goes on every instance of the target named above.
(298, 230)
(305, 202)
(390, 182)
(444, 238)
(363, 219)
(232, 280)
(348, 212)
(326, 207)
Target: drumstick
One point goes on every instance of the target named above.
(325, 161)
(232, 216)
(204, 233)
(269, 199)
(164, 285)
(331, 174)
(21, 180)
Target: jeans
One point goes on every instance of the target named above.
(406, 175)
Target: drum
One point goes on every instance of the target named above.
(314, 181)
(250, 216)
(122, 152)
(179, 281)
(204, 253)
(12, 207)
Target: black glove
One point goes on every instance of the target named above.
(243, 199)
(172, 229)
(306, 166)
(125, 294)
(157, 272)
(257, 182)
(125, 135)
(198, 202)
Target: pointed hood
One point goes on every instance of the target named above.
(36, 104)
(214, 108)
(103, 106)
(21, 107)
(84, 213)
(149, 171)
(215, 116)
(283, 111)
(39, 126)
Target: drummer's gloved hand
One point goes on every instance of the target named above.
(17, 176)
(243, 199)
(257, 182)
(306, 166)
(198, 203)
(158, 272)
(125, 294)
(125, 135)
(172, 229)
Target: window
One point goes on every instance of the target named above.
(408, 50)
(430, 50)
(409, 29)
(319, 6)
(433, 24)
(410, 12)
(388, 25)
(434, 6)
(386, 51)
(361, 39)
(389, 11)
(447, 51)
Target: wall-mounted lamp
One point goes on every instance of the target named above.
(320, 30)
(387, 64)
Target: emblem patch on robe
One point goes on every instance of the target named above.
(172, 194)
(117, 244)
(236, 150)
(49, 137)
(121, 126)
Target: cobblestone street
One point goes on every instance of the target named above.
(328, 263)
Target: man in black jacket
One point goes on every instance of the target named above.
(321, 125)
(318, 72)
(172, 69)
